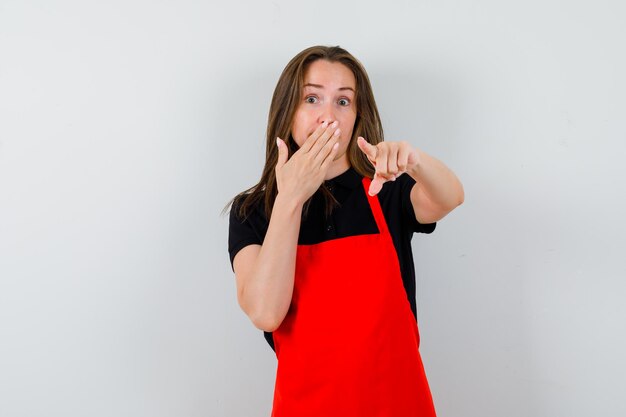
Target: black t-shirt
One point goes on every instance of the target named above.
(352, 217)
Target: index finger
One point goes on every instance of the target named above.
(368, 149)
(310, 141)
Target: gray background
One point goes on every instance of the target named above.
(125, 127)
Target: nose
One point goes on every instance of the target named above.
(327, 113)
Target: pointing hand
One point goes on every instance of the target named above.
(391, 159)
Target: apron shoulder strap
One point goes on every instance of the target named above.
(377, 211)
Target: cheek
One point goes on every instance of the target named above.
(298, 136)
(348, 119)
(299, 127)
(348, 123)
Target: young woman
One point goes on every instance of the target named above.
(321, 246)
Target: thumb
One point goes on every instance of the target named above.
(367, 148)
(376, 185)
(282, 153)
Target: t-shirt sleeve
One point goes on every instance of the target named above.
(242, 232)
(408, 214)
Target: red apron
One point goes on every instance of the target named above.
(349, 344)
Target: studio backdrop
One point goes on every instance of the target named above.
(126, 127)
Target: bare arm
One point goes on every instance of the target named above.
(437, 190)
(265, 273)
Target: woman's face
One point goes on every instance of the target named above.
(328, 95)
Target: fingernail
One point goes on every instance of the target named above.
(325, 123)
(334, 124)
(337, 132)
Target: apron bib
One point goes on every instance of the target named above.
(349, 344)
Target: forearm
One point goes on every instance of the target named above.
(268, 291)
(437, 182)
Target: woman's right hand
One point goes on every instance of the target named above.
(301, 175)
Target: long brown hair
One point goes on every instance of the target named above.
(287, 96)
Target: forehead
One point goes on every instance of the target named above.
(330, 75)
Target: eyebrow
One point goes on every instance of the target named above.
(321, 86)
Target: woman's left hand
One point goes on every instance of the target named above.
(391, 159)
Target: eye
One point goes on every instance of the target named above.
(344, 102)
(311, 99)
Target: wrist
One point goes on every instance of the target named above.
(288, 202)
(414, 167)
